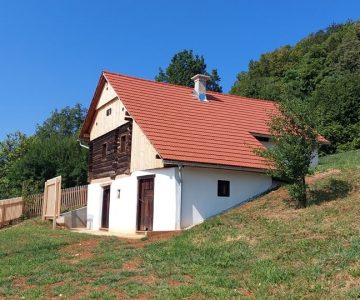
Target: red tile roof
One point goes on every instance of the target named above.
(182, 128)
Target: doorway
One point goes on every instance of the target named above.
(145, 203)
(105, 208)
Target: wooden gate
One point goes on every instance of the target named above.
(52, 200)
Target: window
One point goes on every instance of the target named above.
(123, 143)
(108, 112)
(262, 138)
(223, 188)
(104, 150)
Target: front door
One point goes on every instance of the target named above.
(145, 203)
(105, 208)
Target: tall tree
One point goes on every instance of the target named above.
(185, 65)
(12, 149)
(295, 139)
(64, 122)
(52, 151)
(323, 68)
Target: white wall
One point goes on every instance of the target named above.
(315, 159)
(315, 156)
(199, 192)
(94, 206)
(123, 210)
(199, 197)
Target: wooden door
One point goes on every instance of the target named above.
(145, 204)
(105, 208)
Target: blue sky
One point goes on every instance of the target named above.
(52, 52)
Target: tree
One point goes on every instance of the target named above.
(324, 70)
(12, 149)
(185, 65)
(65, 122)
(27, 162)
(337, 105)
(51, 157)
(295, 139)
(55, 150)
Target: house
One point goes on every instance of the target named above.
(166, 157)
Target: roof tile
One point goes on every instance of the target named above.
(181, 128)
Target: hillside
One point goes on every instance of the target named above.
(322, 69)
(263, 249)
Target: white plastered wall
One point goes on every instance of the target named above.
(123, 210)
(315, 156)
(199, 192)
(315, 159)
(199, 197)
(94, 205)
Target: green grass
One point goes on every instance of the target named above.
(342, 161)
(265, 249)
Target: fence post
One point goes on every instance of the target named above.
(2, 215)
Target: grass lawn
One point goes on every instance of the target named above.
(265, 249)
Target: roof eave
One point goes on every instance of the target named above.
(85, 128)
(213, 166)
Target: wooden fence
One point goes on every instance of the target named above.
(12, 209)
(33, 205)
(73, 198)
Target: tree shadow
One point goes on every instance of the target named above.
(333, 190)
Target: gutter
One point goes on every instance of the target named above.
(82, 145)
(212, 166)
(179, 199)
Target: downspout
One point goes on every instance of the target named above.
(82, 145)
(179, 199)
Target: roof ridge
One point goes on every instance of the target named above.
(149, 80)
(186, 87)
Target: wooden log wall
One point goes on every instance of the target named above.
(109, 156)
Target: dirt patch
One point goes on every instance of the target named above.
(87, 289)
(318, 176)
(344, 281)
(21, 283)
(188, 278)
(79, 251)
(246, 292)
(174, 283)
(152, 238)
(143, 297)
(149, 279)
(250, 241)
(282, 214)
(132, 265)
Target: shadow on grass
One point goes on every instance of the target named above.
(334, 189)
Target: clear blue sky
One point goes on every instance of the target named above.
(52, 52)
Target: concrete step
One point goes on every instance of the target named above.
(60, 221)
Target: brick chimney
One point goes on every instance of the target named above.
(200, 86)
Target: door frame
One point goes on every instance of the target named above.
(139, 178)
(107, 187)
